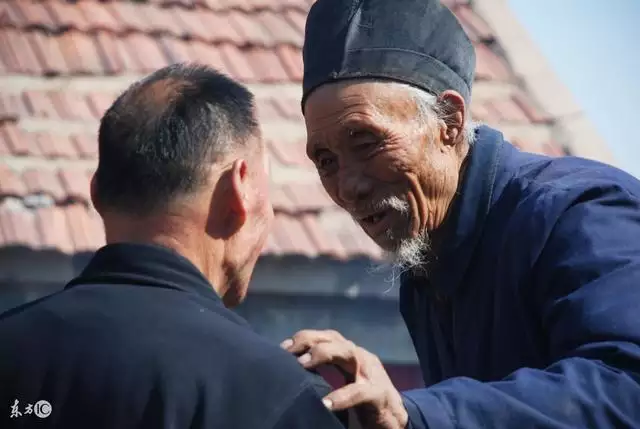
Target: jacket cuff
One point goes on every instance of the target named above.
(436, 417)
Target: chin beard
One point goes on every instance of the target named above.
(410, 254)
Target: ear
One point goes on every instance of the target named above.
(239, 192)
(93, 192)
(453, 109)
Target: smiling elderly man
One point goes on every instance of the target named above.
(521, 273)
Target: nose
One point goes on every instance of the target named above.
(354, 188)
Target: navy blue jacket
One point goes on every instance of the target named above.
(141, 340)
(530, 315)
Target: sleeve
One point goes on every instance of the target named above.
(322, 388)
(587, 292)
(307, 412)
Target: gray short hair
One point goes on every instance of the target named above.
(431, 111)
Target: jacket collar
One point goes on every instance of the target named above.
(146, 265)
(463, 226)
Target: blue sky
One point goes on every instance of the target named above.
(594, 48)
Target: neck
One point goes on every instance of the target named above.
(172, 233)
(439, 234)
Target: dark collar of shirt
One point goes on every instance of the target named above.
(463, 226)
(151, 266)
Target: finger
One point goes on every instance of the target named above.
(307, 338)
(350, 396)
(341, 354)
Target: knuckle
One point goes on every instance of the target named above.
(368, 356)
(361, 353)
(302, 336)
(360, 395)
(334, 334)
(319, 351)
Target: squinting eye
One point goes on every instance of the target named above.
(365, 146)
(325, 162)
(356, 133)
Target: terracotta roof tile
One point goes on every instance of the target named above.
(16, 141)
(288, 153)
(48, 52)
(99, 17)
(55, 146)
(86, 146)
(291, 238)
(297, 19)
(39, 181)
(473, 24)
(39, 104)
(291, 61)
(279, 28)
(11, 14)
(217, 57)
(53, 229)
(237, 63)
(48, 132)
(268, 61)
(535, 115)
(490, 66)
(18, 227)
(67, 16)
(507, 111)
(82, 227)
(75, 184)
(11, 185)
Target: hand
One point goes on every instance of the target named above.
(370, 390)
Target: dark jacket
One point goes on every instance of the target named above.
(530, 316)
(141, 340)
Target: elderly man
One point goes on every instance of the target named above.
(521, 273)
(143, 338)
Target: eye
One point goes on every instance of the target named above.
(366, 145)
(358, 134)
(325, 161)
(363, 141)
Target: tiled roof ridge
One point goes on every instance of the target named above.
(57, 17)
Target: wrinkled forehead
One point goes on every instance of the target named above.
(338, 99)
(349, 103)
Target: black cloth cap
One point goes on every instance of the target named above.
(419, 42)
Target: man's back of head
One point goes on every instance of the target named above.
(182, 164)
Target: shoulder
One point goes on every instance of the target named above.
(542, 190)
(572, 177)
(543, 201)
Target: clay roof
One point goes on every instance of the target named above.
(62, 64)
